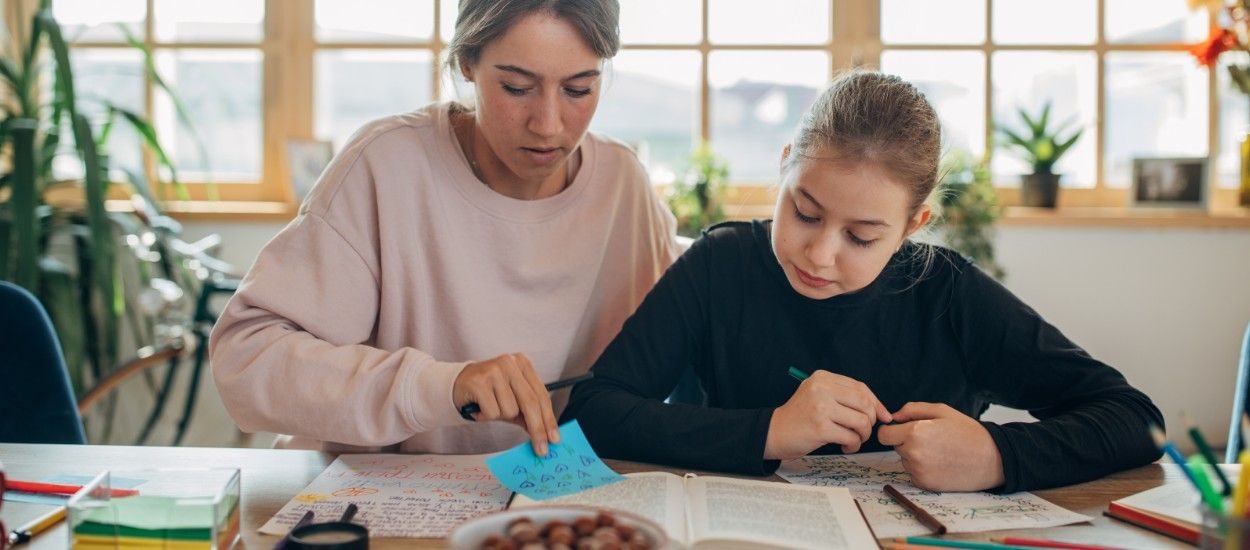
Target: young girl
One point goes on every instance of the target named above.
(454, 255)
(890, 331)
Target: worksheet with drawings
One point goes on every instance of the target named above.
(865, 474)
(408, 496)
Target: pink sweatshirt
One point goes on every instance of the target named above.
(402, 267)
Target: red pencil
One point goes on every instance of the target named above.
(1017, 541)
(54, 489)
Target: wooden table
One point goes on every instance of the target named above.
(272, 477)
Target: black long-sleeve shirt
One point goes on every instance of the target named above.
(939, 331)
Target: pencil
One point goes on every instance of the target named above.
(1212, 498)
(1205, 450)
(38, 525)
(925, 517)
(973, 544)
(56, 489)
(1043, 543)
(1161, 441)
(470, 409)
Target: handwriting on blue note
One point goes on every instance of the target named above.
(570, 466)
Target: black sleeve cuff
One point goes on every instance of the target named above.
(1007, 453)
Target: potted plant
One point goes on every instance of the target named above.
(1041, 146)
(969, 209)
(697, 200)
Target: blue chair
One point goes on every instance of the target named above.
(1240, 406)
(36, 400)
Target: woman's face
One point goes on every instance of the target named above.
(836, 226)
(537, 88)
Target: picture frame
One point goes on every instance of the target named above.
(1170, 182)
(306, 159)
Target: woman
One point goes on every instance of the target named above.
(451, 256)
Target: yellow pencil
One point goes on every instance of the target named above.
(38, 525)
(1243, 486)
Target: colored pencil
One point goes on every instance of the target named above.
(1043, 543)
(1209, 495)
(38, 525)
(1204, 449)
(971, 544)
(1242, 492)
(56, 489)
(1169, 449)
(921, 514)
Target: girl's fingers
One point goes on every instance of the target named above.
(531, 412)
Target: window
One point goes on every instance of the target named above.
(254, 73)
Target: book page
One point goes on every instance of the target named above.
(657, 496)
(773, 514)
(1177, 500)
(865, 474)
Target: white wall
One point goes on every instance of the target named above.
(1167, 307)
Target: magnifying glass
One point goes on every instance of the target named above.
(334, 535)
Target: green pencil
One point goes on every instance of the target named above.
(928, 541)
(1212, 498)
(800, 375)
(1205, 450)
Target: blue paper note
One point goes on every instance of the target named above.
(64, 479)
(570, 466)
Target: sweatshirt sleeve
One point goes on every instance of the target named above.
(622, 410)
(292, 352)
(1091, 421)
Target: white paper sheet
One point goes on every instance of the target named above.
(411, 496)
(864, 474)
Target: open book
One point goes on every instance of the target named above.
(719, 512)
(1170, 509)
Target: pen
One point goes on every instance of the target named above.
(469, 409)
(798, 374)
(38, 525)
(1205, 450)
(925, 517)
(56, 489)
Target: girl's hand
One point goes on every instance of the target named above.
(944, 449)
(507, 388)
(827, 408)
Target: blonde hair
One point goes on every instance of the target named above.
(480, 22)
(874, 118)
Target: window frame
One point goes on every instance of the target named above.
(289, 47)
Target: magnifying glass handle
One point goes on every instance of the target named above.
(349, 513)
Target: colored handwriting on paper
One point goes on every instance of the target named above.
(570, 466)
(407, 496)
(864, 474)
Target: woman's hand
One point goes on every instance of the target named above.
(827, 408)
(507, 388)
(944, 449)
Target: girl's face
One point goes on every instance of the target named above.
(537, 88)
(836, 225)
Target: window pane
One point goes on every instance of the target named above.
(778, 21)
(1156, 105)
(651, 102)
(216, 21)
(96, 21)
(953, 83)
(1050, 22)
(930, 22)
(447, 18)
(356, 86)
(1234, 120)
(111, 77)
(374, 20)
(222, 93)
(757, 101)
(1154, 22)
(679, 24)
(1030, 79)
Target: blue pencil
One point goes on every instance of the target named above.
(1162, 442)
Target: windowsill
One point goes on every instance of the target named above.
(1013, 216)
(245, 211)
